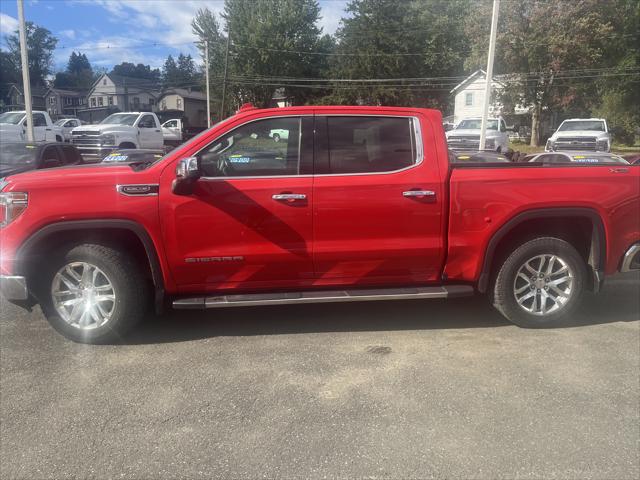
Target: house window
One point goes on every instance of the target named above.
(110, 100)
(93, 101)
(136, 101)
(179, 103)
(104, 82)
(468, 99)
(164, 104)
(151, 102)
(100, 101)
(52, 100)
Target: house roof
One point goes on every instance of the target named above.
(185, 93)
(471, 78)
(121, 81)
(62, 91)
(36, 90)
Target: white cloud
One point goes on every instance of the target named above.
(68, 34)
(8, 24)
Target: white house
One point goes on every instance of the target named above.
(469, 96)
(192, 103)
(116, 93)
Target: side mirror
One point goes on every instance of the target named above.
(187, 173)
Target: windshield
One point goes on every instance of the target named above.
(13, 118)
(60, 122)
(120, 119)
(574, 125)
(476, 124)
(17, 153)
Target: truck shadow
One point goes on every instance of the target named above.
(619, 302)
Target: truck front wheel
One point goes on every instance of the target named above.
(93, 293)
(541, 283)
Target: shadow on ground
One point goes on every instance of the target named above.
(619, 302)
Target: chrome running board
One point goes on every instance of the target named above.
(323, 296)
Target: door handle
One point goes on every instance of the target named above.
(289, 197)
(419, 194)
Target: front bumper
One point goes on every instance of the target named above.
(631, 259)
(13, 287)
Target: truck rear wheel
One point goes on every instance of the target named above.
(541, 283)
(93, 293)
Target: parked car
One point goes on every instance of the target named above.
(177, 130)
(66, 125)
(576, 158)
(134, 156)
(13, 127)
(360, 203)
(279, 134)
(119, 130)
(21, 156)
(581, 134)
(466, 135)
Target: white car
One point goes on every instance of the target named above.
(67, 124)
(466, 135)
(13, 127)
(279, 134)
(581, 134)
(119, 130)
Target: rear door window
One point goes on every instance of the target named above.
(362, 144)
(70, 155)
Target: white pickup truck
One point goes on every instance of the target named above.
(120, 130)
(581, 134)
(13, 127)
(177, 130)
(466, 135)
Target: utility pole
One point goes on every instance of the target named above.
(487, 89)
(224, 78)
(126, 94)
(26, 82)
(206, 71)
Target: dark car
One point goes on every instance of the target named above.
(475, 156)
(134, 156)
(21, 157)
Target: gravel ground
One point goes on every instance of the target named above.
(411, 389)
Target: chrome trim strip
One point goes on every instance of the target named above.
(322, 297)
(417, 132)
(628, 258)
(153, 186)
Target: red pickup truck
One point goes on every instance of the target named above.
(351, 204)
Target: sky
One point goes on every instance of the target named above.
(138, 31)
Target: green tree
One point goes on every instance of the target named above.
(207, 29)
(9, 74)
(170, 76)
(618, 91)
(78, 74)
(271, 39)
(385, 39)
(144, 72)
(40, 46)
(186, 70)
(547, 49)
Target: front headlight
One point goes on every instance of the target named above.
(12, 204)
(108, 139)
(602, 145)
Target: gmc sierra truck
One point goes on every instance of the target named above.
(355, 204)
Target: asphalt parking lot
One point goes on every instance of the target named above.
(417, 389)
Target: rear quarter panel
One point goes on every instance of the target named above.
(484, 199)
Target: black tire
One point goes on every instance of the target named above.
(276, 137)
(127, 145)
(504, 298)
(58, 138)
(129, 286)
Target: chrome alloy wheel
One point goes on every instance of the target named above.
(543, 285)
(83, 295)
